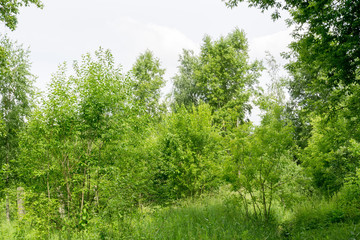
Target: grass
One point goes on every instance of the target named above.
(217, 216)
(211, 219)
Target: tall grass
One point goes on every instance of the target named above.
(210, 217)
(216, 216)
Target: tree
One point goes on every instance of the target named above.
(325, 54)
(15, 94)
(329, 156)
(324, 85)
(9, 10)
(326, 158)
(73, 139)
(185, 89)
(261, 167)
(104, 97)
(188, 154)
(221, 76)
(262, 162)
(148, 80)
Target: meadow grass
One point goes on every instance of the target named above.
(209, 217)
(212, 216)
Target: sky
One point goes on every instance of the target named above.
(66, 29)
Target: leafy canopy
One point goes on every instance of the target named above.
(221, 75)
(326, 50)
(148, 80)
(10, 9)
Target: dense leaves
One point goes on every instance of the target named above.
(221, 76)
(100, 155)
(149, 79)
(15, 93)
(325, 54)
(189, 153)
(10, 9)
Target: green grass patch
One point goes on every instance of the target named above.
(217, 216)
(205, 218)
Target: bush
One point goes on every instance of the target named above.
(349, 196)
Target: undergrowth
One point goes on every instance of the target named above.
(211, 216)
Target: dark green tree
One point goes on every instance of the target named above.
(10, 9)
(16, 89)
(325, 54)
(324, 85)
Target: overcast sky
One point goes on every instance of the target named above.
(66, 29)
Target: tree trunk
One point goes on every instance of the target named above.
(67, 176)
(7, 207)
(62, 204)
(7, 180)
(83, 192)
(20, 202)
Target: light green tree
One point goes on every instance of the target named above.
(104, 99)
(15, 94)
(189, 154)
(262, 167)
(148, 80)
(263, 162)
(70, 138)
(221, 75)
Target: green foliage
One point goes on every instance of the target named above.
(9, 10)
(148, 79)
(15, 88)
(324, 65)
(69, 137)
(205, 218)
(263, 167)
(331, 153)
(189, 153)
(325, 54)
(15, 97)
(2, 128)
(335, 231)
(99, 157)
(348, 196)
(220, 76)
(327, 34)
(316, 214)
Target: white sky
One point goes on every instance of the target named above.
(66, 29)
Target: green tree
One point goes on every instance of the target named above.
(10, 9)
(324, 85)
(73, 142)
(188, 152)
(329, 156)
(148, 80)
(325, 54)
(15, 93)
(55, 128)
(104, 97)
(39, 172)
(262, 168)
(185, 89)
(221, 76)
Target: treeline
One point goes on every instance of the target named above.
(100, 144)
